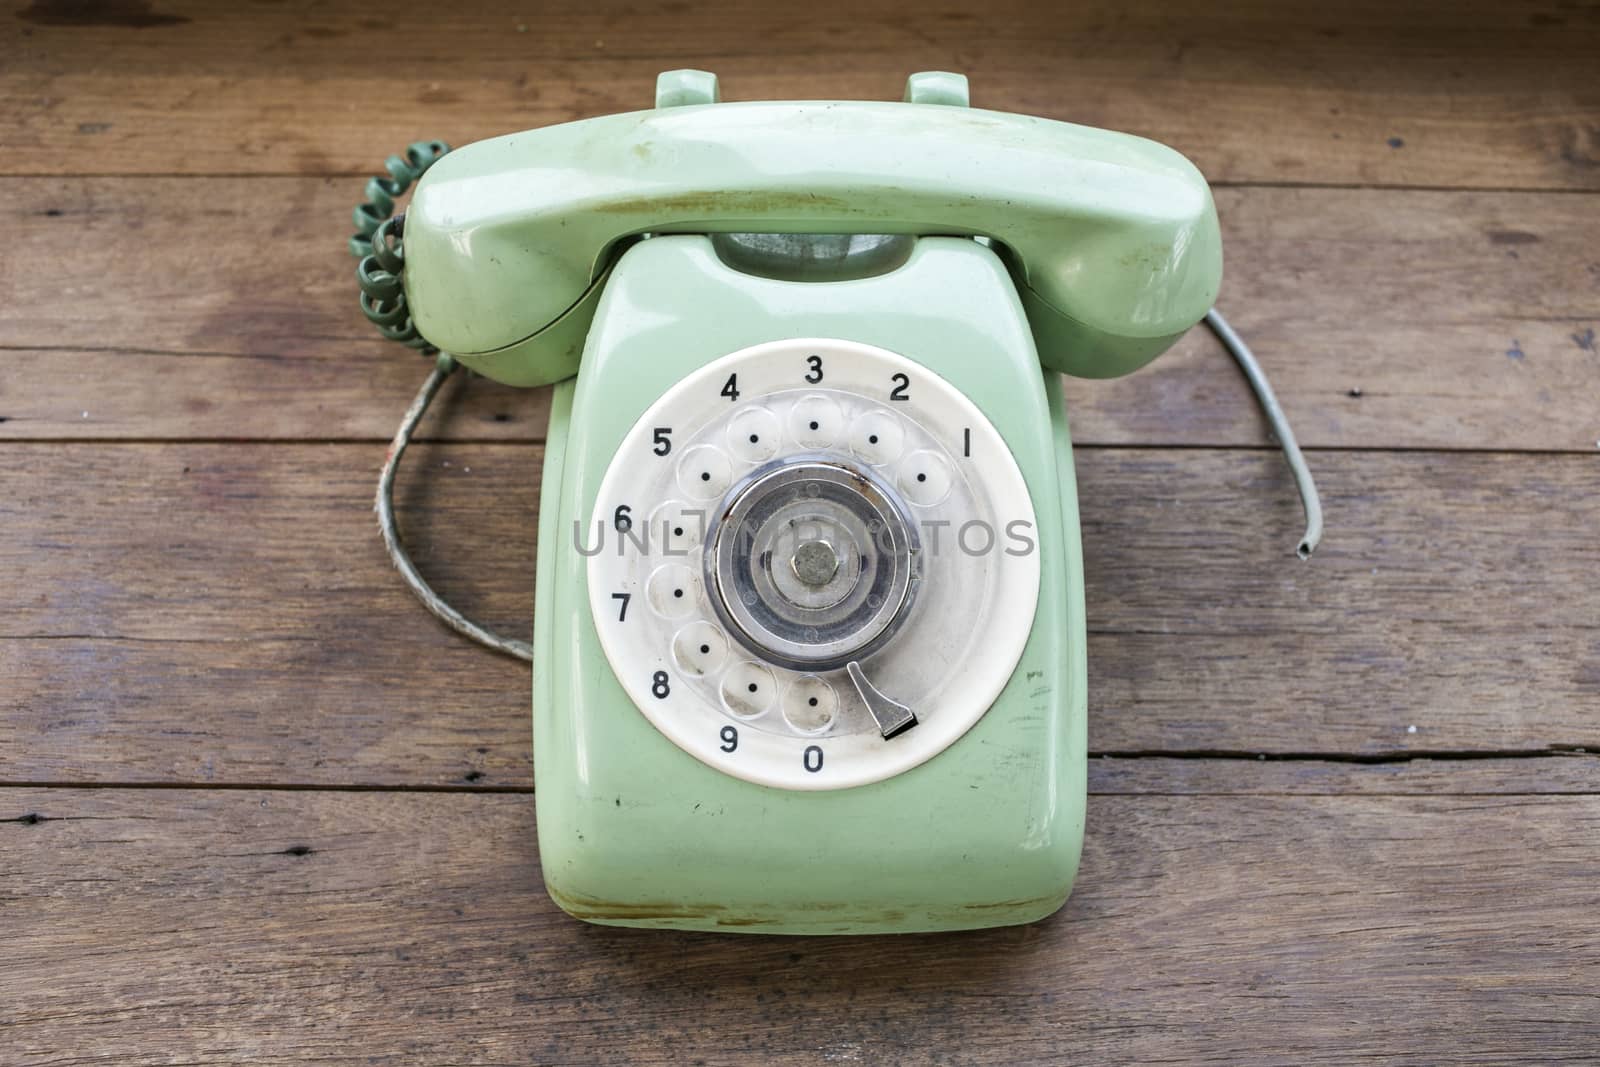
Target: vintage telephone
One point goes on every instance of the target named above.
(809, 646)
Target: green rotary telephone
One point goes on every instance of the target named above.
(809, 642)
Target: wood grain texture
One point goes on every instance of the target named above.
(204, 612)
(225, 308)
(1554, 773)
(1340, 812)
(1460, 94)
(196, 926)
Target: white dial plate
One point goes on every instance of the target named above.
(859, 405)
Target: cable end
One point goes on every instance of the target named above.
(1304, 549)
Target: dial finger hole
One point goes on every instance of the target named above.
(877, 437)
(673, 591)
(699, 649)
(677, 528)
(925, 478)
(748, 689)
(704, 472)
(815, 422)
(809, 705)
(753, 434)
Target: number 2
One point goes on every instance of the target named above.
(901, 386)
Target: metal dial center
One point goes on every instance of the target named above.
(812, 562)
(815, 563)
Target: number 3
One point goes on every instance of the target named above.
(815, 375)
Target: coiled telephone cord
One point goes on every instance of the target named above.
(378, 245)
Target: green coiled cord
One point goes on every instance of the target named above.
(377, 244)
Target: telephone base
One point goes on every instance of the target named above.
(634, 830)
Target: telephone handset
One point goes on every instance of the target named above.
(1112, 240)
(809, 644)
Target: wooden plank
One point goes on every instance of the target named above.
(225, 309)
(210, 613)
(1386, 320)
(202, 612)
(1469, 94)
(1555, 773)
(145, 926)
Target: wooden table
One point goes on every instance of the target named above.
(255, 804)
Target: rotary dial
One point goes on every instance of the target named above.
(812, 564)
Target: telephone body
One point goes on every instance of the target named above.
(809, 650)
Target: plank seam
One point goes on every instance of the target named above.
(32, 818)
(1434, 756)
(517, 442)
(1220, 183)
(1551, 751)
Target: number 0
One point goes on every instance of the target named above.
(812, 760)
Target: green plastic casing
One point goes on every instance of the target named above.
(1111, 239)
(633, 830)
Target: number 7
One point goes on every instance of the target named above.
(622, 616)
